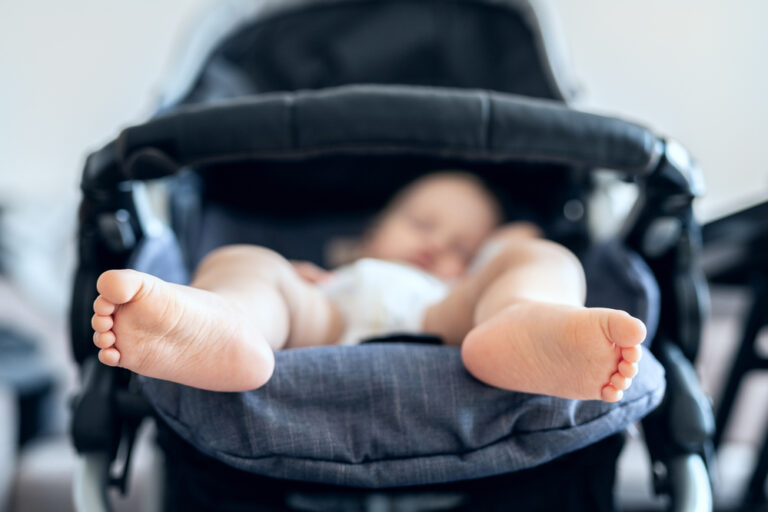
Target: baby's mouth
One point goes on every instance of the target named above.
(422, 261)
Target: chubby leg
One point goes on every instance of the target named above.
(219, 332)
(522, 325)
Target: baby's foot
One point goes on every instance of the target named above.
(177, 333)
(558, 350)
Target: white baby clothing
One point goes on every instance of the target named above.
(378, 298)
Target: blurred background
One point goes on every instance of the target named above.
(74, 73)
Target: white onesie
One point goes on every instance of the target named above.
(378, 298)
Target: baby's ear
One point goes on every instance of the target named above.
(341, 250)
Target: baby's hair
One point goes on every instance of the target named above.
(459, 175)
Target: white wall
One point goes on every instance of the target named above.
(692, 69)
(72, 73)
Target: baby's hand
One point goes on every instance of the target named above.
(310, 272)
(509, 234)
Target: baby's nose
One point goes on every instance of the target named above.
(438, 243)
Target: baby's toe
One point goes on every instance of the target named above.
(101, 323)
(121, 286)
(620, 382)
(109, 356)
(104, 339)
(102, 306)
(611, 394)
(632, 354)
(625, 330)
(627, 369)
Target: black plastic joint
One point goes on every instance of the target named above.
(94, 426)
(677, 173)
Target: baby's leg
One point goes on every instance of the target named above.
(522, 325)
(219, 332)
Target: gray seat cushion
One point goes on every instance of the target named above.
(393, 414)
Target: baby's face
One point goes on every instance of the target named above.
(438, 225)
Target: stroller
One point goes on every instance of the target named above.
(735, 247)
(343, 102)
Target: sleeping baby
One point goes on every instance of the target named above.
(434, 261)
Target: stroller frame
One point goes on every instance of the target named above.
(661, 228)
(734, 255)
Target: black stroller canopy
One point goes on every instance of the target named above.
(310, 95)
(245, 47)
(349, 148)
(374, 120)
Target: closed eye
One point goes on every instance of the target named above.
(422, 223)
(462, 250)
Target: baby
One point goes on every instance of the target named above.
(517, 313)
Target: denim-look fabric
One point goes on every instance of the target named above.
(394, 414)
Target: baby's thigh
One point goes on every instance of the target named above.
(240, 265)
